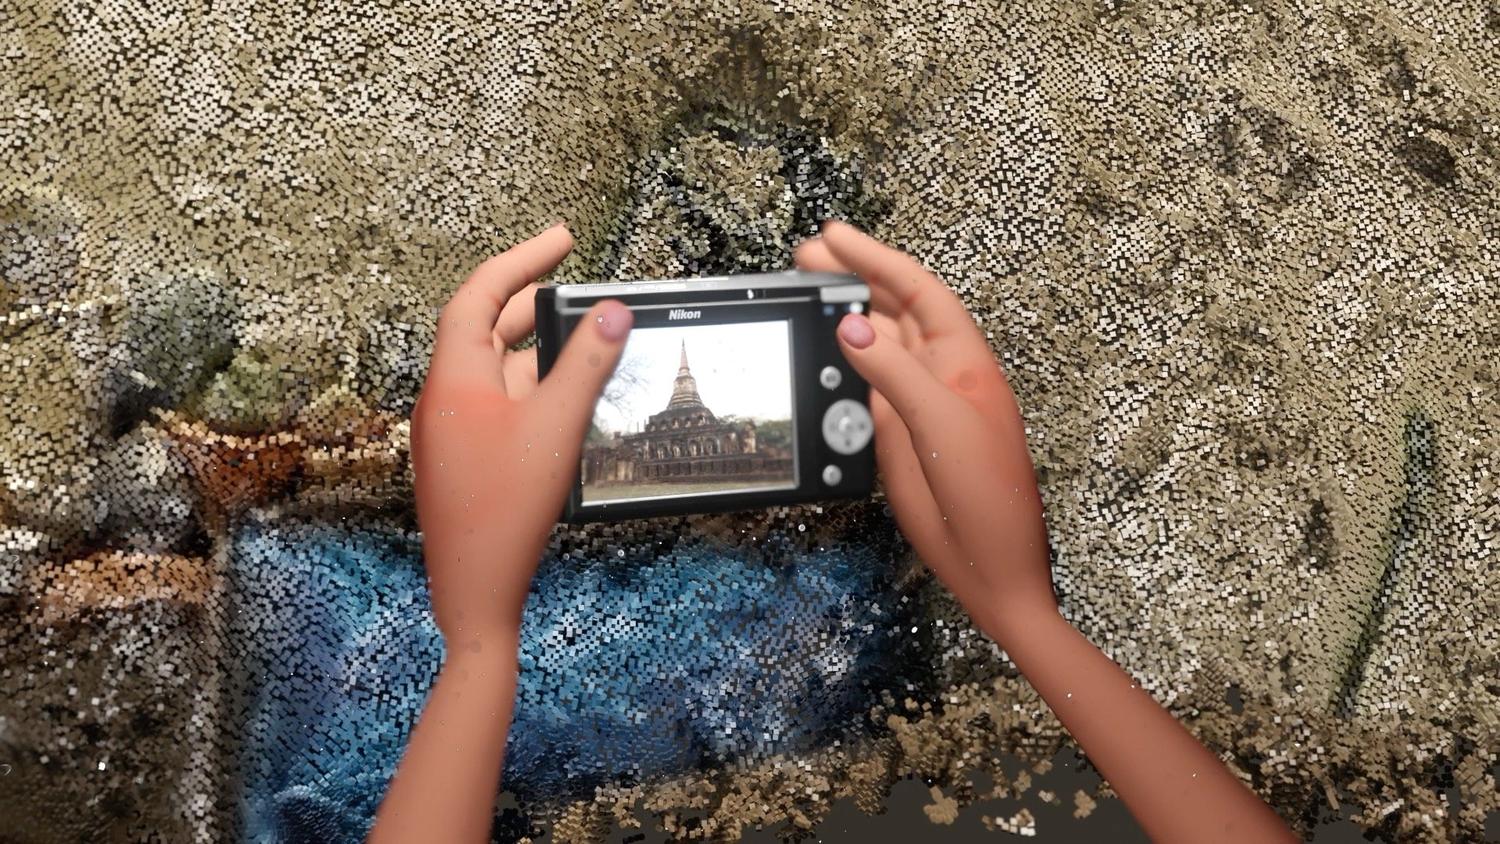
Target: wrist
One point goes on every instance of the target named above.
(490, 645)
(1013, 626)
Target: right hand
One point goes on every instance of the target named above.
(949, 439)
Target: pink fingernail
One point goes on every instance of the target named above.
(614, 320)
(856, 331)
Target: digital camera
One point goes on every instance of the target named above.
(731, 394)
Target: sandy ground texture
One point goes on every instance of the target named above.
(1240, 262)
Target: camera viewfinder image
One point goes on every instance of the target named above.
(694, 410)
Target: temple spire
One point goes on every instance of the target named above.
(684, 386)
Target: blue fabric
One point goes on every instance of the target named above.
(336, 633)
(632, 667)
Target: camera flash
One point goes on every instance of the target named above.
(856, 307)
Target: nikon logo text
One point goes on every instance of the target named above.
(683, 313)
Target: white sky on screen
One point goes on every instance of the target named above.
(742, 369)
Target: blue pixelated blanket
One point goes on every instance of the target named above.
(632, 667)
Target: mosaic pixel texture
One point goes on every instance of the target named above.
(1240, 262)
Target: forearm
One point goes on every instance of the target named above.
(445, 786)
(1176, 789)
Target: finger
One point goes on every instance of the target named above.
(938, 312)
(948, 434)
(886, 326)
(465, 346)
(902, 329)
(813, 255)
(905, 485)
(915, 393)
(916, 512)
(588, 359)
(517, 318)
(520, 373)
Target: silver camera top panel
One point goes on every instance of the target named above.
(831, 287)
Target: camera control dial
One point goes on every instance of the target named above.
(847, 426)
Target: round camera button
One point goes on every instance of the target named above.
(832, 475)
(847, 426)
(831, 377)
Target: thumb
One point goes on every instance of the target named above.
(916, 394)
(570, 391)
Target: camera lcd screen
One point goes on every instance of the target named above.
(694, 410)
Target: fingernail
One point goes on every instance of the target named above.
(856, 331)
(614, 321)
(555, 224)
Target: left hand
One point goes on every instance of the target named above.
(493, 451)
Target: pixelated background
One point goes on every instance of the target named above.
(1240, 263)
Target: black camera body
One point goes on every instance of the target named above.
(731, 394)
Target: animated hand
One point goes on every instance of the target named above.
(494, 452)
(949, 439)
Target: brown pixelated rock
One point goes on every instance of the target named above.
(354, 457)
(233, 472)
(943, 809)
(116, 646)
(118, 581)
(1083, 805)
